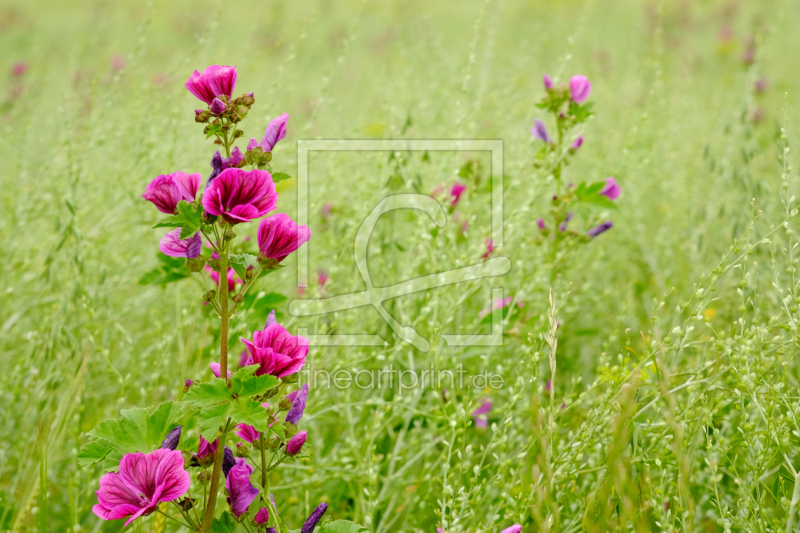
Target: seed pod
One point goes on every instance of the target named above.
(210, 295)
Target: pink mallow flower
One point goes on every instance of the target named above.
(611, 189)
(548, 82)
(481, 414)
(167, 190)
(241, 491)
(172, 245)
(577, 143)
(248, 433)
(279, 235)
(322, 277)
(143, 482)
(276, 351)
(579, 89)
(239, 195)
(276, 130)
(19, 68)
(295, 444)
(455, 193)
(489, 248)
(216, 369)
(214, 81)
(516, 528)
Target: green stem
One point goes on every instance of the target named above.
(208, 513)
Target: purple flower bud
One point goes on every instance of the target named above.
(172, 439)
(563, 225)
(548, 83)
(262, 516)
(271, 319)
(172, 245)
(189, 383)
(276, 130)
(316, 516)
(19, 68)
(578, 142)
(298, 405)
(516, 528)
(611, 189)
(579, 89)
(252, 144)
(206, 450)
(539, 131)
(295, 444)
(236, 157)
(455, 193)
(540, 223)
(216, 168)
(216, 369)
(597, 230)
(217, 107)
(228, 461)
(480, 415)
(197, 112)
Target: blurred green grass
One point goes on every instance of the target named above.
(81, 139)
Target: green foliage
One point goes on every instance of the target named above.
(170, 270)
(139, 430)
(189, 219)
(225, 523)
(278, 177)
(241, 262)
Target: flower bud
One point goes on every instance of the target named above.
(285, 404)
(230, 234)
(249, 274)
(267, 262)
(217, 107)
(268, 157)
(186, 503)
(189, 383)
(203, 477)
(242, 450)
(195, 264)
(237, 134)
(210, 295)
(215, 265)
(274, 443)
(203, 116)
(295, 444)
(248, 100)
(237, 298)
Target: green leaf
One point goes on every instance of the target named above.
(94, 452)
(600, 201)
(213, 129)
(341, 526)
(266, 303)
(245, 384)
(139, 430)
(204, 394)
(189, 219)
(171, 269)
(268, 271)
(278, 177)
(247, 411)
(241, 262)
(211, 418)
(224, 524)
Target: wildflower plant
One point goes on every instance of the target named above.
(211, 488)
(569, 108)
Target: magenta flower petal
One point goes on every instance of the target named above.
(239, 195)
(279, 235)
(602, 228)
(214, 81)
(236, 157)
(217, 369)
(479, 414)
(298, 405)
(143, 482)
(276, 351)
(276, 130)
(167, 190)
(540, 223)
(489, 248)
(241, 492)
(611, 189)
(577, 143)
(579, 88)
(516, 528)
(295, 444)
(455, 193)
(262, 516)
(252, 144)
(172, 245)
(206, 448)
(247, 433)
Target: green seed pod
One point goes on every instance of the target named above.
(210, 295)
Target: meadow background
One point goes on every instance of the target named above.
(677, 343)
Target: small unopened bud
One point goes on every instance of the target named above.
(210, 295)
(217, 107)
(195, 264)
(230, 234)
(292, 378)
(248, 100)
(215, 265)
(267, 262)
(249, 274)
(202, 116)
(295, 444)
(186, 503)
(203, 477)
(242, 450)
(237, 298)
(189, 383)
(268, 156)
(237, 134)
(285, 404)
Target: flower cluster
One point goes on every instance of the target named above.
(239, 188)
